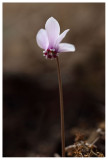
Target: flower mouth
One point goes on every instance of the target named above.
(50, 53)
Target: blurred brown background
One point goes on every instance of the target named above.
(31, 125)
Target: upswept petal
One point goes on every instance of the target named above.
(53, 29)
(61, 36)
(66, 47)
(42, 39)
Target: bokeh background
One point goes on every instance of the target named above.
(31, 114)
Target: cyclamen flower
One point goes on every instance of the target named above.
(49, 39)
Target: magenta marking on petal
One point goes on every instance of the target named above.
(49, 56)
(48, 50)
(50, 53)
(45, 53)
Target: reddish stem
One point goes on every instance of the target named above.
(61, 109)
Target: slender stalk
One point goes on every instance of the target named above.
(61, 109)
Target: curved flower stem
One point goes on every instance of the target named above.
(61, 109)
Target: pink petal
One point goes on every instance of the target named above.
(53, 29)
(66, 47)
(61, 36)
(42, 39)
